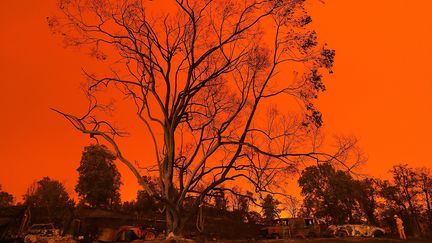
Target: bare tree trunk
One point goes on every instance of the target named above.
(172, 212)
(429, 212)
(427, 202)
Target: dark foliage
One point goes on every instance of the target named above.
(408, 195)
(99, 180)
(49, 201)
(6, 199)
(270, 209)
(335, 197)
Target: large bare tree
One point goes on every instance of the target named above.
(225, 88)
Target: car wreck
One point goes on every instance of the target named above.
(356, 230)
(127, 234)
(291, 228)
(46, 233)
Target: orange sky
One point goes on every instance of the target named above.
(380, 92)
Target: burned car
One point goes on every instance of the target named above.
(43, 229)
(290, 228)
(126, 234)
(45, 233)
(356, 230)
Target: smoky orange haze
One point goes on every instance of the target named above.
(380, 90)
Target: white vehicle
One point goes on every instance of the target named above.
(42, 232)
(356, 230)
(43, 229)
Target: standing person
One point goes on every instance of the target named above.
(400, 227)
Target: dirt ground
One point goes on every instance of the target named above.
(336, 240)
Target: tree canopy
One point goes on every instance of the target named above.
(334, 196)
(270, 209)
(99, 180)
(6, 199)
(408, 195)
(50, 199)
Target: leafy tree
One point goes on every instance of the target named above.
(425, 184)
(244, 202)
(391, 193)
(319, 198)
(6, 199)
(334, 196)
(407, 181)
(241, 202)
(50, 199)
(99, 180)
(366, 192)
(270, 209)
(393, 203)
(199, 76)
(146, 203)
(220, 201)
(403, 195)
(255, 217)
(129, 207)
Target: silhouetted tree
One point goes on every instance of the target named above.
(255, 217)
(425, 184)
(198, 75)
(220, 201)
(292, 206)
(99, 180)
(366, 192)
(145, 203)
(270, 209)
(334, 196)
(407, 181)
(50, 199)
(392, 204)
(6, 199)
(403, 195)
(241, 202)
